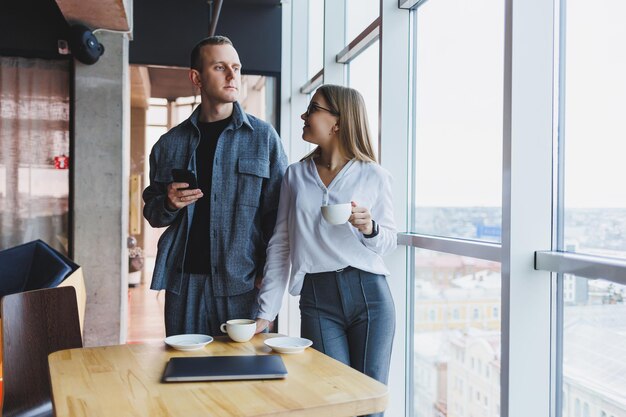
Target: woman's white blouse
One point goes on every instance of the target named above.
(303, 240)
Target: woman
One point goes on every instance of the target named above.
(345, 303)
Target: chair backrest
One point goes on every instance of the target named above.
(32, 266)
(35, 324)
(48, 270)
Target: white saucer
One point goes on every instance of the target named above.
(288, 344)
(188, 341)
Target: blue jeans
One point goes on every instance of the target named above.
(349, 315)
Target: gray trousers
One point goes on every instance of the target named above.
(197, 310)
(350, 316)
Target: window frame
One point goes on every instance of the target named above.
(524, 94)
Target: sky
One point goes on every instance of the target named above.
(595, 106)
(459, 58)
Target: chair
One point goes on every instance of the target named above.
(35, 324)
(32, 266)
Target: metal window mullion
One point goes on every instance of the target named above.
(558, 212)
(410, 220)
(410, 328)
(298, 72)
(473, 249)
(334, 40)
(527, 208)
(394, 103)
(558, 313)
(412, 142)
(294, 73)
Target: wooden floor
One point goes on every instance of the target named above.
(145, 311)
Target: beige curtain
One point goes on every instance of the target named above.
(34, 129)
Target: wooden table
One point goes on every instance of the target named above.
(124, 380)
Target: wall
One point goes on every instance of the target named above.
(31, 28)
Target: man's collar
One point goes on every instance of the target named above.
(239, 116)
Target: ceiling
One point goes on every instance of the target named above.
(101, 14)
(257, 2)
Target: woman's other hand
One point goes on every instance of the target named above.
(261, 324)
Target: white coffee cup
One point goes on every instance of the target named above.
(240, 330)
(337, 213)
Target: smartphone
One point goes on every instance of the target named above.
(184, 175)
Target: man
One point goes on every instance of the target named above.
(214, 245)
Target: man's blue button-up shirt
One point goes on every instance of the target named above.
(247, 173)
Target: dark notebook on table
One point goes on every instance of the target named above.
(223, 368)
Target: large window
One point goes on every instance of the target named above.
(34, 152)
(157, 120)
(456, 343)
(594, 106)
(593, 211)
(458, 118)
(594, 344)
(506, 157)
(359, 14)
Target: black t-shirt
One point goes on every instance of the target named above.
(198, 257)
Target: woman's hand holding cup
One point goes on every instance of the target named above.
(361, 218)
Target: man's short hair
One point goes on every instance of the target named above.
(196, 59)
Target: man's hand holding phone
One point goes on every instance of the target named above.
(182, 191)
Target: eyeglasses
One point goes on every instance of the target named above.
(313, 107)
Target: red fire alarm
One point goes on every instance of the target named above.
(61, 162)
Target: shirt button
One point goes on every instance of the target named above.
(214, 197)
(214, 233)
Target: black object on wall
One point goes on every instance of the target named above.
(31, 28)
(85, 46)
(165, 32)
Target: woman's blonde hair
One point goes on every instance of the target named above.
(354, 133)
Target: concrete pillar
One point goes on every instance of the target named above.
(101, 175)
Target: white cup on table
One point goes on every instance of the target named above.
(239, 330)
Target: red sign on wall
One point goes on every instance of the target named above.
(61, 162)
